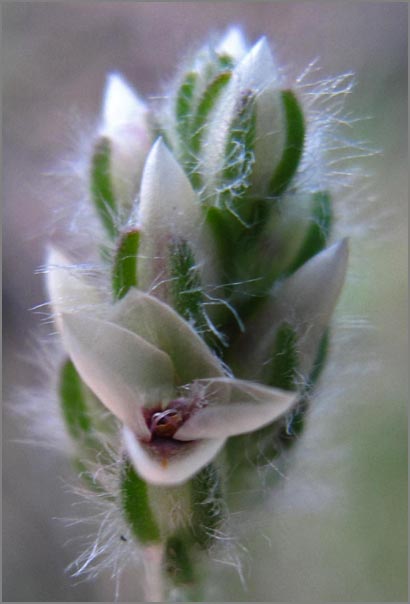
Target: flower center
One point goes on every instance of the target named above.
(165, 423)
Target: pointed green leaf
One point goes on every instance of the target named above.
(284, 364)
(320, 360)
(186, 288)
(220, 226)
(73, 402)
(205, 106)
(101, 185)
(125, 264)
(319, 231)
(295, 135)
(239, 157)
(184, 104)
(136, 508)
(296, 423)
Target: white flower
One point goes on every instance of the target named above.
(156, 375)
(124, 121)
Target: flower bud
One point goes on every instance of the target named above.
(232, 44)
(305, 301)
(124, 122)
(255, 80)
(170, 218)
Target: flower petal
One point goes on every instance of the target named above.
(169, 467)
(232, 44)
(122, 369)
(125, 123)
(305, 301)
(249, 406)
(68, 290)
(258, 72)
(169, 213)
(121, 105)
(162, 327)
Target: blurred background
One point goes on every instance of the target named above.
(336, 528)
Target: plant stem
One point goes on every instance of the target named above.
(153, 570)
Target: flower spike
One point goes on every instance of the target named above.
(191, 350)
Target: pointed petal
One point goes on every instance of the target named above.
(169, 467)
(124, 371)
(125, 123)
(232, 44)
(121, 105)
(162, 327)
(309, 298)
(257, 69)
(68, 290)
(250, 406)
(258, 72)
(169, 213)
(306, 301)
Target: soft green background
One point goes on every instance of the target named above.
(336, 529)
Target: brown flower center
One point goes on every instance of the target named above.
(163, 423)
(166, 423)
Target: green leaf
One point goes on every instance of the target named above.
(125, 264)
(178, 562)
(220, 226)
(185, 284)
(184, 105)
(239, 158)
(320, 360)
(101, 185)
(319, 231)
(206, 104)
(295, 135)
(73, 402)
(207, 504)
(136, 508)
(296, 423)
(187, 293)
(79, 405)
(284, 364)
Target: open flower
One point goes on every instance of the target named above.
(155, 374)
